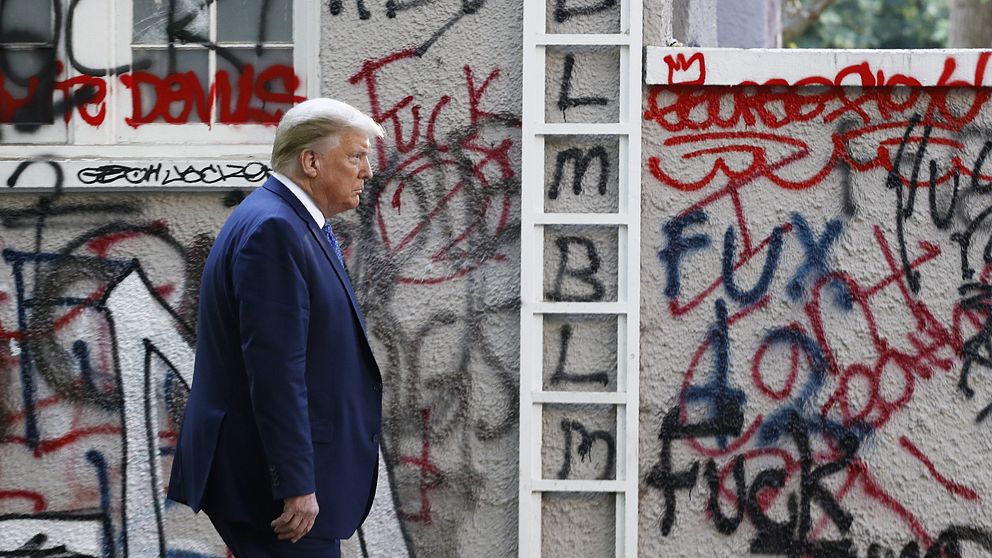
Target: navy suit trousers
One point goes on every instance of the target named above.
(247, 541)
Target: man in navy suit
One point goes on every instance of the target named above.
(279, 444)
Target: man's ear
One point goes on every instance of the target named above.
(309, 163)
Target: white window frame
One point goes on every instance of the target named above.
(114, 138)
(533, 307)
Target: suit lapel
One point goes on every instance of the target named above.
(278, 188)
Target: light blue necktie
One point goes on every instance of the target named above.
(329, 233)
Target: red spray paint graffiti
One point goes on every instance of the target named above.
(839, 357)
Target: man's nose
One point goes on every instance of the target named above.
(366, 171)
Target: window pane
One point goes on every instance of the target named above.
(244, 21)
(190, 21)
(253, 86)
(178, 90)
(26, 21)
(28, 77)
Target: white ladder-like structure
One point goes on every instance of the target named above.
(534, 307)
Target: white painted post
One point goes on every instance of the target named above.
(533, 308)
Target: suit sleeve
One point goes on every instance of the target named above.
(273, 310)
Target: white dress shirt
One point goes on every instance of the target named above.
(304, 198)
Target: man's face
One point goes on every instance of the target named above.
(341, 173)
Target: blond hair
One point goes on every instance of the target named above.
(316, 124)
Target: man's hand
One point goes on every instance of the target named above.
(298, 515)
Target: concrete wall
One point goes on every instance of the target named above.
(435, 257)
(815, 326)
(831, 358)
(434, 253)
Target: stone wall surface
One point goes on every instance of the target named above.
(815, 274)
(434, 253)
(814, 288)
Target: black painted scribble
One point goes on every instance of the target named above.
(52, 360)
(581, 159)
(564, 11)
(394, 7)
(724, 524)
(976, 298)
(904, 210)
(363, 11)
(781, 538)
(906, 190)
(468, 7)
(792, 537)
(585, 275)
(156, 174)
(377, 273)
(35, 548)
(560, 375)
(584, 448)
(565, 99)
(79, 66)
(727, 422)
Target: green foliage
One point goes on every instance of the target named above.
(880, 24)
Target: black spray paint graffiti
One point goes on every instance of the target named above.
(363, 10)
(560, 375)
(393, 7)
(40, 107)
(565, 99)
(791, 537)
(55, 273)
(565, 12)
(157, 174)
(44, 534)
(583, 274)
(584, 448)
(45, 205)
(664, 477)
(974, 295)
(82, 280)
(452, 202)
(54, 364)
(581, 159)
(380, 271)
(906, 201)
(976, 298)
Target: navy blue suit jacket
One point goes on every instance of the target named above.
(286, 397)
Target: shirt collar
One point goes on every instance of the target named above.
(304, 198)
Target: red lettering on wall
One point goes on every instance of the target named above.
(252, 97)
(682, 71)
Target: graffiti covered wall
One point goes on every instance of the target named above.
(434, 251)
(825, 251)
(98, 288)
